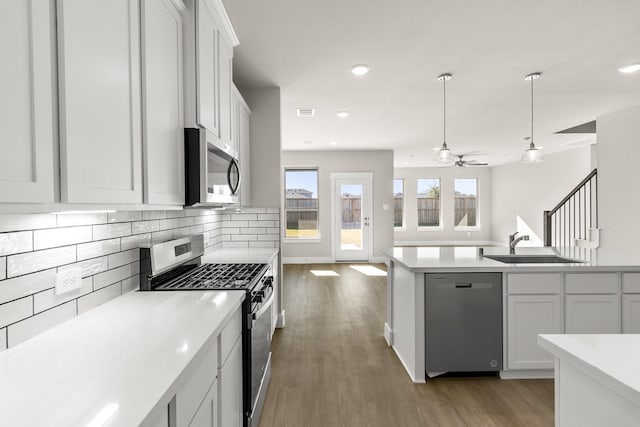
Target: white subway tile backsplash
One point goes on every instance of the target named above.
(68, 220)
(125, 257)
(89, 267)
(46, 299)
(139, 227)
(16, 310)
(230, 230)
(26, 222)
(244, 217)
(110, 277)
(243, 237)
(148, 215)
(268, 217)
(187, 221)
(273, 210)
(99, 297)
(167, 224)
(14, 243)
(263, 244)
(131, 284)
(96, 249)
(273, 231)
(131, 242)
(253, 230)
(261, 223)
(32, 326)
(196, 229)
(109, 231)
(3, 268)
(30, 262)
(161, 236)
(174, 214)
(181, 232)
(3, 339)
(271, 237)
(235, 244)
(236, 224)
(124, 216)
(26, 285)
(54, 237)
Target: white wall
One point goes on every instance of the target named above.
(618, 178)
(446, 233)
(380, 163)
(522, 192)
(265, 146)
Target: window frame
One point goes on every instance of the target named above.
(440, 226)
(403, 226)
(468, 227)
(290, 239)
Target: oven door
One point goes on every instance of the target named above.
(260, 356)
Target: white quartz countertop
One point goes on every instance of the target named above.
(118, 359)
(467, 259)
(612, 358)
(241, 255)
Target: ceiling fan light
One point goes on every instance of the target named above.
(444, 155)
(532, 155)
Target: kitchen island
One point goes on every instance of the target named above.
(597, 379)
(573, 297)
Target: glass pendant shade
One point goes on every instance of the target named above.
(444, 155)
(532, 155)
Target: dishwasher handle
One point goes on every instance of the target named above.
(465, 285)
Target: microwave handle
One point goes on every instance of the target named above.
(233, 165)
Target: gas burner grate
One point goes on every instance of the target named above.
(218, 276)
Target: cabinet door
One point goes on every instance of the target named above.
(207, 414)
(631, 314)
(207, 47)
(27, 132)
(230, 396)
(592, 314)
(99, 77)
(244, 147)
(528, 316)
(225, 72)
(162, 102)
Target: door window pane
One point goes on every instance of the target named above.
(398, 199)
(351, 223)
(466, 202)
(301, 203)
(429, 202)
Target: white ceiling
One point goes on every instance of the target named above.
(306, 47)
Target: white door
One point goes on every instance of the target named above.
(631, 314)
(100, 101)
(592, 314)
(352, 218)
(230, 396)
(27, 97)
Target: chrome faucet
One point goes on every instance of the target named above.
(513, 242)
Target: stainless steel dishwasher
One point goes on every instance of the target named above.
(463, 322)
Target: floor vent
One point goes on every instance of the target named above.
(306, 112)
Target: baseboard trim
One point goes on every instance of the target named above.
(414, 379)
(527, 374)
(447, 243)
(308, 260)
(388, 334)
(280, 322)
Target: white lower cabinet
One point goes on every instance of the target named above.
(592, 314)
(196, 384)
(528, 316)
(631, 314)
(207, 414)
(230, 388)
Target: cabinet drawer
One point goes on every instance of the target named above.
(598, 283)
(229, 336)
(542, 283)
(203, 370)
(631, 283)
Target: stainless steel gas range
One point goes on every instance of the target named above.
(176, 265)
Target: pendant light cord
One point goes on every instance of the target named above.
(532, 143)
(444, 127)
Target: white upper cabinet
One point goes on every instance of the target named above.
(162, 101)
(27, 121)
(207, 45)
(241, 142)
(99, 99)
(226, 82)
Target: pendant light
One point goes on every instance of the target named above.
(532, 154)
(444, 154)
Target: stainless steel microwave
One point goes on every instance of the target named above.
(212, 171)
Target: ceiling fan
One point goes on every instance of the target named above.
(460, 162)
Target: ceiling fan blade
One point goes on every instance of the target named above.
(476, 164)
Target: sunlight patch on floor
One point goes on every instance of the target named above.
(369, 270)
(324, 273)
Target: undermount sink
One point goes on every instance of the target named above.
(531, 259)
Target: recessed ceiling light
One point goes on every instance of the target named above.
(405, 163)
(333, 143)
(632, 68)
(308, 142)
(360, 69)
(306, 112)
(342, 114)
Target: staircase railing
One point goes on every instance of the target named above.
(572, 218)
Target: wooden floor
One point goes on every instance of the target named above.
(332, 367)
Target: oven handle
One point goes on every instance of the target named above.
(264, 307)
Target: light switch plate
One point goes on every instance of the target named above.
(67, 281)
(385, 206)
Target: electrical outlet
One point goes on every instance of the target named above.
(67, 281)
